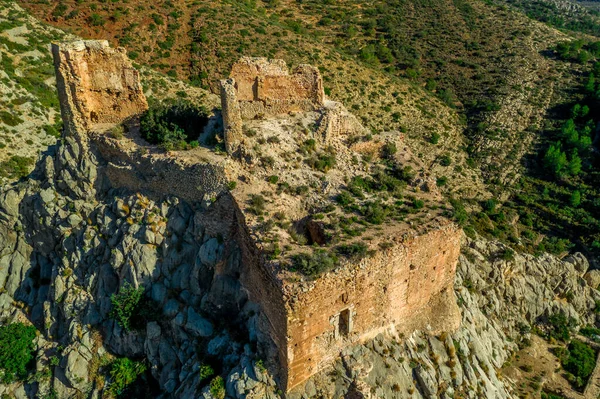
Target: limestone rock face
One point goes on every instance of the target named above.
(593, 278)
(97, 84)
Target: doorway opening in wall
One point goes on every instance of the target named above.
(345, 323)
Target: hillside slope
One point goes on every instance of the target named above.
(453, 50)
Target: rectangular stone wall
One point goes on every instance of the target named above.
(409, 286)
(96, 84)
(266, 88)
(264, 289)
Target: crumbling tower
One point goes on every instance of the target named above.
(259, 88)
(97, 84)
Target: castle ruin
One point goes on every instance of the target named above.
(259, 87)
(97, 83)
(401, 287)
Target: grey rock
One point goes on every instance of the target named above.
(211, 252)
(159, 293)
(197, 324)
(219, 344)
(74, 220)
(76, 369)
(592, 277)
(48, 195)
(579, 261)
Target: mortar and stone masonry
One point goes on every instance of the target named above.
(407, 286)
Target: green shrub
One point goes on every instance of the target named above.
(344, 198)
(16, 351)
(173, 125)
(322, 162)
(507, 254)
(217, 388)
(489, 206)
(356, 250)
(315, 263)
(130, 308)
(16, 167)
(435, 138)
(52, 131)
(257, 204)
(445, 160)
(96, 20)
(591, 332)
(123, 372)
(10, 119)
(580, 361)
(273, 179)
(374, 212)
(560, 327)
(548, 395)
(206, 371)
(388, 150)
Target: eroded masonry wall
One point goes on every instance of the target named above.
(408, 286)
(266, 88)
(96, 83)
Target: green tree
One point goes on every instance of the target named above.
(555, 159)
(16, 347)
(569, 130)
(575, 164)
(575, 200)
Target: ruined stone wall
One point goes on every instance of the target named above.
(232, 118)
(264, 88)
(160, 175)
(96, 84)
(336, 121)
(408, 286)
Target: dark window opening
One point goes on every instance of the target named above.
(345, 322)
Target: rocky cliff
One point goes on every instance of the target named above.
(68, 242)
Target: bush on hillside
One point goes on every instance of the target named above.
(124, 372)
(173, 126)
(16, 347)
(580, 361)
(130, 308)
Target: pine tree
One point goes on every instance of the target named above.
(569, 130)
(590, 85)
(555, 159)
(575, 199)
(574, 163)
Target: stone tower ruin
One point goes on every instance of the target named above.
(259, 87)
(97, 84)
